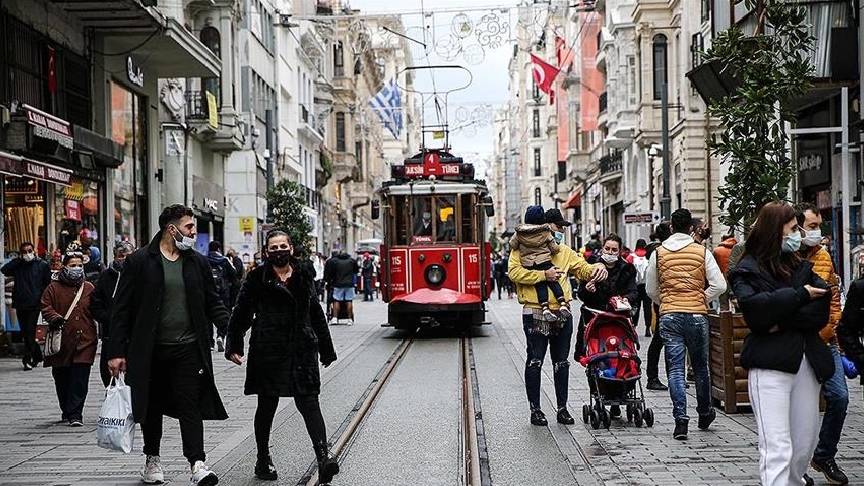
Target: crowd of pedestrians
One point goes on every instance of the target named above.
(155, 308)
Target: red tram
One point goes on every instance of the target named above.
(434, 257)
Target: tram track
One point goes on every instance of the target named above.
(474, 461)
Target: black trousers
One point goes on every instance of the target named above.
(104, 371)
(543, 288)
(654, 348)
(642, 306)
(27, 319)
(176, 380)
(309, 408)
(71, 383)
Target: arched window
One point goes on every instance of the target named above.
(659, 58)
(537, 196)
(212, 40)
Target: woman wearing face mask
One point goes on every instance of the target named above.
(620, 283)
(785, 305)
(66, 306)
(289, 336)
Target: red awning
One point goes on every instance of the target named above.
(574, 201)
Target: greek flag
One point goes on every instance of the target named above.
(388, 104)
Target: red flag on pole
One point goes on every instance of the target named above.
(544, 75)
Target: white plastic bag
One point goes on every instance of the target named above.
(115, 428)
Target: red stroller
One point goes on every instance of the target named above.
(612, 365)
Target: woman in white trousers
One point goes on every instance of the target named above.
(785, 305)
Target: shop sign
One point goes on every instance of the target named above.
(134, 73)
(641, 218)
(247, 224)
(49, 127)
(208, 196)
(73, 210)
(814, 166)
(46, 172)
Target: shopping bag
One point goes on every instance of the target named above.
(115, 428)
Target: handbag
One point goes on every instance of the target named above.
(54, 337)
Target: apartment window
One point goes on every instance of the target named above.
(631, 81)
(537, 163)
(358, 152)
(340, 132)
(697, 44)
(211, 39)
(535, 90)
(537, 197)
(338, 59)
(706, 10)
(660, 67)
(536, 123)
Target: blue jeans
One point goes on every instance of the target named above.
(686, 333)
(836, 401)
(559, 349)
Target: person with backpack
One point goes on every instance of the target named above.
(642, 302)
(103, 299)
(225, 278)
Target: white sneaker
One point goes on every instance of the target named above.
(202, 475)
(334, 321)
(350, 322)
(152, 473)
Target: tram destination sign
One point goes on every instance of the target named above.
(426, 170)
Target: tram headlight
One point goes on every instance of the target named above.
(435, 274)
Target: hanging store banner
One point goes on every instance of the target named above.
(212, 111)
(49, 127)
(592, 84)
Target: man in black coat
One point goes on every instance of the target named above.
(103, 300)
(161, 324)
(32, 275)
(339, 275)
(225, 278)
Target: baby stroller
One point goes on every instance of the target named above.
(612, 366)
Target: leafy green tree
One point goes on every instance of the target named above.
(771, 68)
(286, 202)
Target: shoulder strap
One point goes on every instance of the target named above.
(116, 284)
(74, 302)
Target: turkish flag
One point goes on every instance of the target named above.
(544, 75)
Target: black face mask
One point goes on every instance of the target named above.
(279, 258)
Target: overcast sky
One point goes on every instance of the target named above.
(489, 85)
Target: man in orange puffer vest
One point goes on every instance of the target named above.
(834, 390)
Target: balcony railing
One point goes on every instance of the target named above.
(610, 164)
(603, 102)
(312, 197)
(196, 105)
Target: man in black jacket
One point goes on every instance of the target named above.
(32, 275)
(103, 300)
(161, 325)
(339, 275)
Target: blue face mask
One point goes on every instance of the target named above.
(791, 243)
(559, 237)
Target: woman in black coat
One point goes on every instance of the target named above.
(785, 305)
(594, 295)
(289, 335)
(851, 326)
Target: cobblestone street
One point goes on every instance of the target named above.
(403, 426)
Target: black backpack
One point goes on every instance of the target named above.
(219, 279)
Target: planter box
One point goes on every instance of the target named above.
(728, 378)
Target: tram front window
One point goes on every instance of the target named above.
(446, 220)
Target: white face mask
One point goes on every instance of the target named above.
(812, 238)
(185, 243)
(610, 259)
(28, 257)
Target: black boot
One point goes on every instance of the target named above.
(327, 464)
(564, 417)
(656, 384)
(264, 469)
(538, 418)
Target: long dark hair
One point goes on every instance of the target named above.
(765, 241)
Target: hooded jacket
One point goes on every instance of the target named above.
(31, 279)
(674, 286)
(535, 244)
(339, 271)
(228, 288)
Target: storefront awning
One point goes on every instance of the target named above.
(17, 166)
(104, 151)
(574, 201)
(170, 49)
